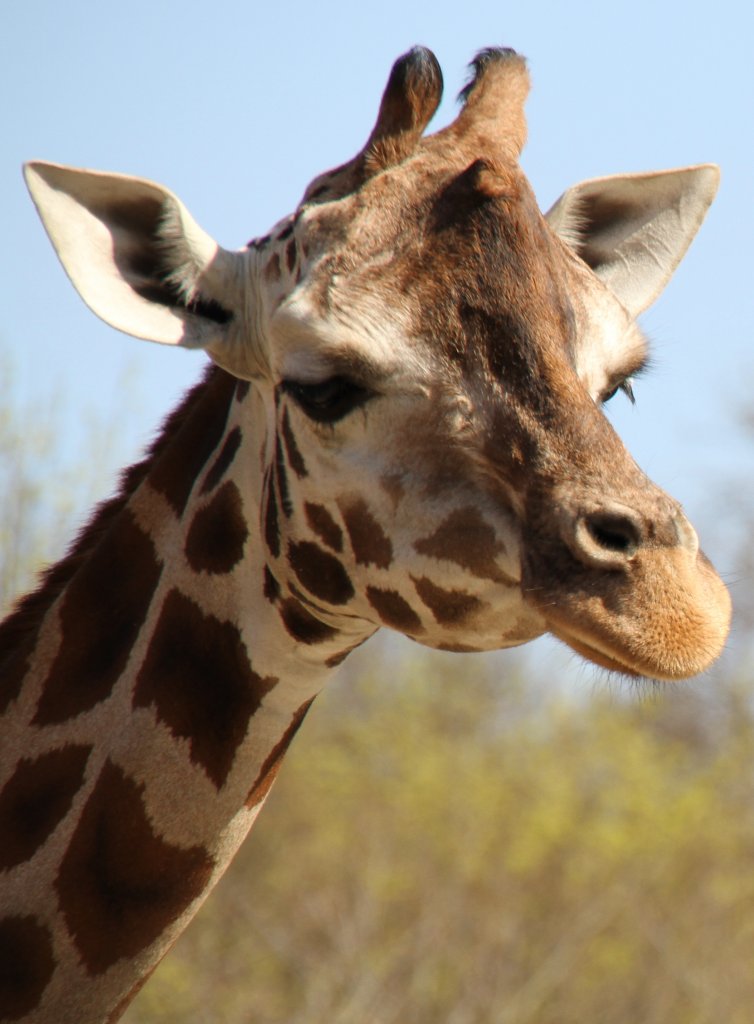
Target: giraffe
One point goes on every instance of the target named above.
(401, 426)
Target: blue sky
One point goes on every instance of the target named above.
(236, 106)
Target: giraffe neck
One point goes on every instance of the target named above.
(150, 689)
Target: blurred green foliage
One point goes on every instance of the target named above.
(472, 851)
(55, 461)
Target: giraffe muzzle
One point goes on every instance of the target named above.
(610, 535)
(627, 587)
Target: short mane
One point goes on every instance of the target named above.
(19, 630)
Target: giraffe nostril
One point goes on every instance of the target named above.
(607, 538)
(618, 534)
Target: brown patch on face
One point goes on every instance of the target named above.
(178, 466)
(271, 523)
(295, 458)
(291, 255)
(468, 540)
(101, 615)
(394, 610)
(272, 269)
(216, 539)
(242, 390)
(323, 524)
(449, 607)
(36, 799)
(302, 625)
(223, 462)
(198, 678)
(320, 573)
(120, 885)
(26, 965)
(371, 546)
(270, 768)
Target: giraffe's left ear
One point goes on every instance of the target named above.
(634, 229)
(137, 257)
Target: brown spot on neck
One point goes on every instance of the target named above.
(198, 677)
(340, 656)
(19, 630)
(14, 665)
(217, 536)
(36, 799)
(26, 965)
(224, 460)
(101, 615)
(197, 437)
(304, 627)
(270, 768)
(320, 573)
(120, 885)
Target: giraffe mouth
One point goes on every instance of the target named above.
(599, 657)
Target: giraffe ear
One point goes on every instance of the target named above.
(634, 229)
(137, 257)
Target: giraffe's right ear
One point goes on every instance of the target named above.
(633, 229)
(137, 257)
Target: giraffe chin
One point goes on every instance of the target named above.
(637, 664)
(600, 658)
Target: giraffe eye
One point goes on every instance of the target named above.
(329, 400)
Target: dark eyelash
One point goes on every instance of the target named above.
(327, 401)
(626, 386)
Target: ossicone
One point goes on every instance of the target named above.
(412, 95)
(493, 103)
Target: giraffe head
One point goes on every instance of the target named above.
(429, 355)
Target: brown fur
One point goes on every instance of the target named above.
(198, 678)
(18, 631)
(217, 536)
(26, 965)
(120, 885)
(36, 799)
(269, 770)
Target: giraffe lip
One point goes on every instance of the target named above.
(597, 656)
